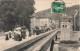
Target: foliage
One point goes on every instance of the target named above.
(14, 13)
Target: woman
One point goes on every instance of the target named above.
(6, 38)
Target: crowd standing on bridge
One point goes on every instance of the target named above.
(17, 34)
(20, 33)
(42, 29)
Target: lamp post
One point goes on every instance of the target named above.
(74, 27)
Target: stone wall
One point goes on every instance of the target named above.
(75, 35)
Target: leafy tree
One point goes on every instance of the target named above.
(14, 12)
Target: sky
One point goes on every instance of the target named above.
(45, 4)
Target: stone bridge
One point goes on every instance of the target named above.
(42, 42)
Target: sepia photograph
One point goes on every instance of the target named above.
(39, 25)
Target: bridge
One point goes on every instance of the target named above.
(42, 42)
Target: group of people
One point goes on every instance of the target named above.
(18, 34)
(41, 29)
(38, 30)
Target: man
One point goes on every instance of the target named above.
(10, 34)
(23, 34)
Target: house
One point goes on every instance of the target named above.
(40, 21)
(44, 17)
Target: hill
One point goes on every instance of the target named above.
(69, 11)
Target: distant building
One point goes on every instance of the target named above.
(44, 17)
(40, 21)
(56, 23)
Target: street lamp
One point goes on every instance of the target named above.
(74, 20)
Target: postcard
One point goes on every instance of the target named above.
(39, 25)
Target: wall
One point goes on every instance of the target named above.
(39, 22)
(75, 35)
(66, 31)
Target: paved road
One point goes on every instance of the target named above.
(11, 43)
(2, 34)
(56, 47)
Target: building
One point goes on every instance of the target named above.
(40, 21)
(66, 31)
(44, 17)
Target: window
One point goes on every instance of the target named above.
(62, 25)
(66, 26)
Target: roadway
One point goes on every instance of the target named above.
(12, 43)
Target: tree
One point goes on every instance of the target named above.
(14, 12)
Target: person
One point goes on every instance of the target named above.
(37, 31)
(17, 35)
(34, 32)
(10, 34)
(23, 34)
(27, 33)
(30, 33)
(6, 38)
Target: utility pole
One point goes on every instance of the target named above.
(79, 18)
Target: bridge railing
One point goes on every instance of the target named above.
(45, 37)
(43, 44)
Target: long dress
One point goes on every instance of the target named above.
(23, 34)
(6, 38)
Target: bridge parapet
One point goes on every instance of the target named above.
(45, 43)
